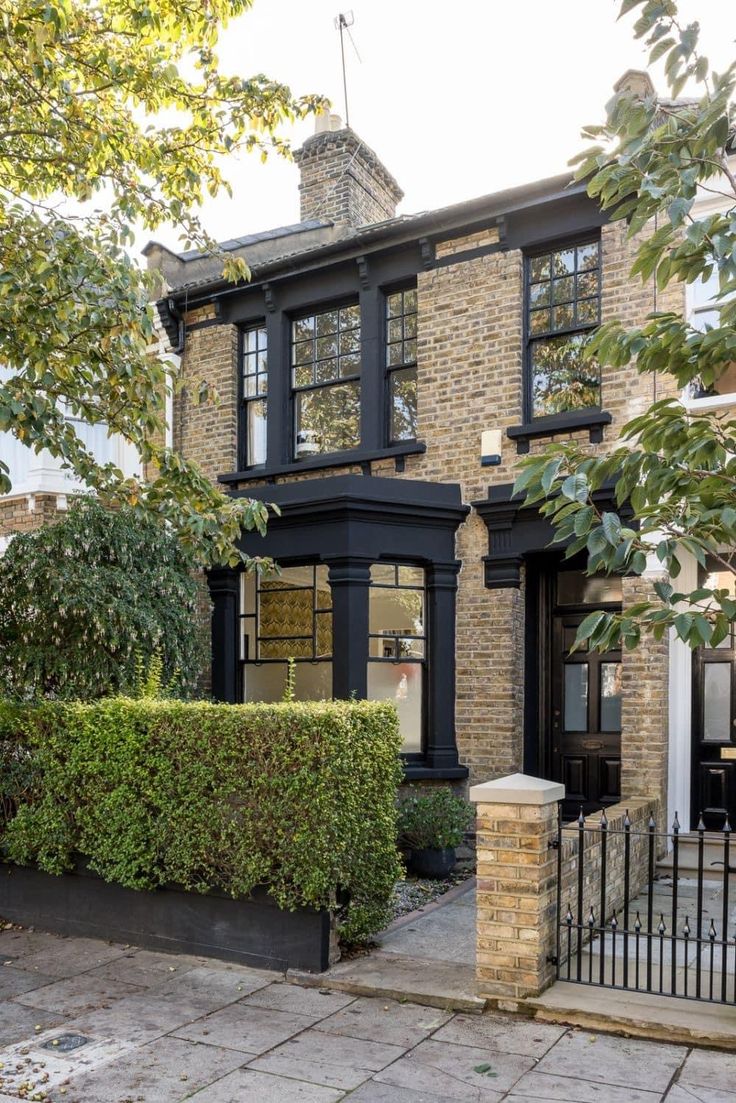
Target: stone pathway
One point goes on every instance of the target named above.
(91, 1022)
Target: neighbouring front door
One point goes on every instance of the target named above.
(714, 735)
(585, 692)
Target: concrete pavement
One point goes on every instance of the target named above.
(90, 1022)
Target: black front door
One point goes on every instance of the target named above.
(586, 718)
(714, 735)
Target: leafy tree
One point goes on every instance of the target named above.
(676, 469)
(114, 113)
(101, 602)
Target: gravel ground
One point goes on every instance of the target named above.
(415, 892)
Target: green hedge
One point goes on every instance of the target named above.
(299, 798)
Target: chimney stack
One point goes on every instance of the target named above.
(342, 179)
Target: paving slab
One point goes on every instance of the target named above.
(446, 933)
(570, 1089)
(18, 1023)
(385, 1021)
(37, 1063)
(313, 1003)
(16, 942)
(373, 1092)
(210, 987)
(624, 1062)
(136, 1019)
(501, 1033)
(75, 995)
(15, 981)
(678, 1094)
(328, 1059)
(457, 1072)
(705, 1069)
(250, 1030)
(644, 1015)
(66, 956)
(163, 1072)
(247, 1086)
(147, 968)
(445, 984)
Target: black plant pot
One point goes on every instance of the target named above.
(435, 862)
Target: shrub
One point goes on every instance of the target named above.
(434, 819)
(296, 797)
(87, 602)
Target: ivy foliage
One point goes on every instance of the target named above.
(298, 797)
(114, 113)
(676, 469)
(97, 604)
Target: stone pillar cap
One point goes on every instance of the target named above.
(517, 789)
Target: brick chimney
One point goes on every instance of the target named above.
(342, 179)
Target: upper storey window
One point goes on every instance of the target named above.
(325, 362)
(255, 389)
(401, 363)
(563, 306)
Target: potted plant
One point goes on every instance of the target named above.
(432, 824)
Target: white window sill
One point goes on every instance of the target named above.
(712, 402)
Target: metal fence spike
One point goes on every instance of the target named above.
(701, 823)
(676, 824)
(604, 820)
(727, 825)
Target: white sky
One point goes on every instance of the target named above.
(459, 98)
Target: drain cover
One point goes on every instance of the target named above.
(65, 1043)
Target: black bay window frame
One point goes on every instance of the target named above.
(244, 400)
(349, 523)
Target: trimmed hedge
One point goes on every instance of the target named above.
(296, 797)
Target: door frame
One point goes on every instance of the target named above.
(541, 572)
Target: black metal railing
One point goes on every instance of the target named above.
(622, 924)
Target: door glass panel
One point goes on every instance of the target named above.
(576, 697)
(717, 702)
(610, 697)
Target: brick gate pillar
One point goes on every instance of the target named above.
(517, 824)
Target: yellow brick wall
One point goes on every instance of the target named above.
(470, 359)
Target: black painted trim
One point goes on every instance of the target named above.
(416, 772)
(516, 529)
(593, 420)
(336, 459)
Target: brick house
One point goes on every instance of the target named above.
(378, 378)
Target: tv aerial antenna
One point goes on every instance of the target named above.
(343, 22)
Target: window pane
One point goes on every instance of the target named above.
(404, 404)
(587, 311)
(394, 305)
(610, 697)
(717, 702)
(396, 612)
(540, 267)
(539, 294)
(256, 439)
(563, 317)
(350, 317)
(402, 684)
(328, 420)
(561, 379)
(587, 285)
(563, 262)
(576, 588)
(266, 682)
(303, 328)
(588, 255)
(576, 697)
(410, 576)
(327, 323)
(563, 291)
